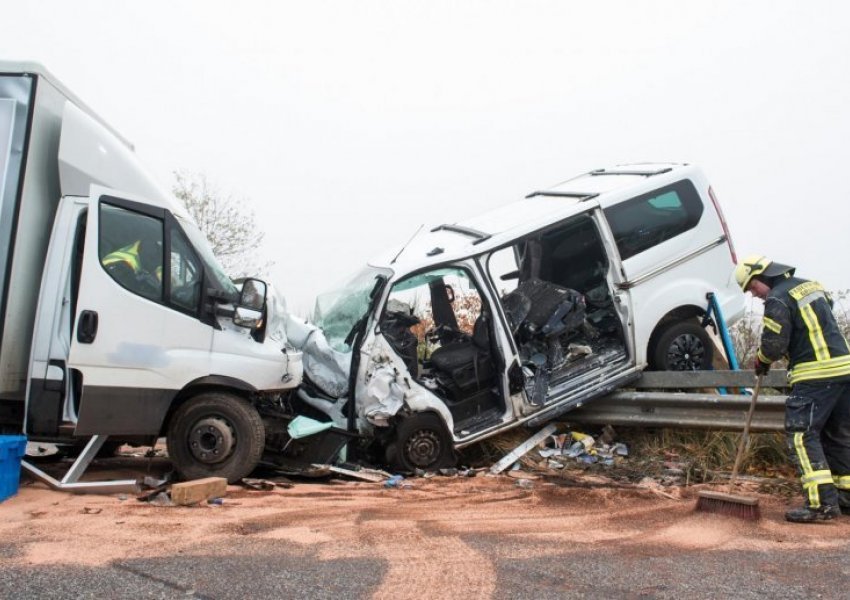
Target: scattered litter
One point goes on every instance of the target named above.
(451, 472)
(91, 511)
(216, 501)
(154, 482)
(397, 481)
(122, 497)
(582, 448)
(41, 449)
(260, 485)
(525, 484)
(161, 499)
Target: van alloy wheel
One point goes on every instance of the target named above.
(681, 346)
(685, 353)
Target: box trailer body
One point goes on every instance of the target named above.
(115, 316)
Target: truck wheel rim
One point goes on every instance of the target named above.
(686, 353)
(212, 440)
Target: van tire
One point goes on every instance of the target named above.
(422, 442)
(216, 434)
(681, 346)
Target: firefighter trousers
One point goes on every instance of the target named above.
(817, 423)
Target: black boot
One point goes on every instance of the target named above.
(804, 514)
(844, 501)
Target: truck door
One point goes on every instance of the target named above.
(137, 336)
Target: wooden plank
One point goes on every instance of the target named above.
(198, 490)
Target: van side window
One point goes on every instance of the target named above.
(186, 273)
(130, 250)
(646, 221)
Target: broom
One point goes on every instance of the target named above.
(745, 507)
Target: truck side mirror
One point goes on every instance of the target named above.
(245, 317)
(253, 296)
(252, 302)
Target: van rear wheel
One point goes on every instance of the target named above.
(216, 434)
(682, 346)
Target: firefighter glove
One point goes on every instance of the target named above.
(761, 368)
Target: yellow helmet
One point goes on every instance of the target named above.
(757, 264)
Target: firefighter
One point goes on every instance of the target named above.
(131, 267)
(799, 325)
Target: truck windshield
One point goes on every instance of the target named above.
(337, 312)
(202, 247)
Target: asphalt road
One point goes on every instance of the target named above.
(274, 570)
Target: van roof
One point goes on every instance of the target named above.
(495, 228)
(34, 68)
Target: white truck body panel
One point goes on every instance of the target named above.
(120, 378)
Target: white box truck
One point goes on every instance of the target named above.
(116, 319)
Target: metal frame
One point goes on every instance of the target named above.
(70, 482)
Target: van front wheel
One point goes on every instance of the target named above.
(682, 346)
(422, 442)
(216, 434)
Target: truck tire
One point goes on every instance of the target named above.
(422, 442)
(216, 434)
(682, 346)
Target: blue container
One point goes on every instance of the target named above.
(12, 449)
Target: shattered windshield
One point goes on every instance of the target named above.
(339, 311)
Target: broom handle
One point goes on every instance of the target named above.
(746, 433)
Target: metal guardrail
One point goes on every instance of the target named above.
(652, 404)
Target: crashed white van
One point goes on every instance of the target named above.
(523, 313)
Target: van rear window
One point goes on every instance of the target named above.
(647, 220)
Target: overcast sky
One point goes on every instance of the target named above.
(349, 124)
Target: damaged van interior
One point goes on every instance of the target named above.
(559, 307)
(440, 325)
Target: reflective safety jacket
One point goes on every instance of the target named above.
(127, 254)
(799, 325)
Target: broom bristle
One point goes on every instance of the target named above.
(743, 507)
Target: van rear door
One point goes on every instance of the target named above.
(137, 335)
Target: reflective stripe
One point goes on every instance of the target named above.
(820, 369)
(128, 254)
(842, 482)
(805, 289)
(815, 333)
(824, 476)
(819, 365)
(806, 467)
(763, 358)
(772, 325)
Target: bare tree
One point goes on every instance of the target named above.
(227, 223)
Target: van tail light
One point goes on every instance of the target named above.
(723, 224)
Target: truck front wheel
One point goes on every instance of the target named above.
(216, 434)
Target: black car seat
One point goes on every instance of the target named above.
(467, 362)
